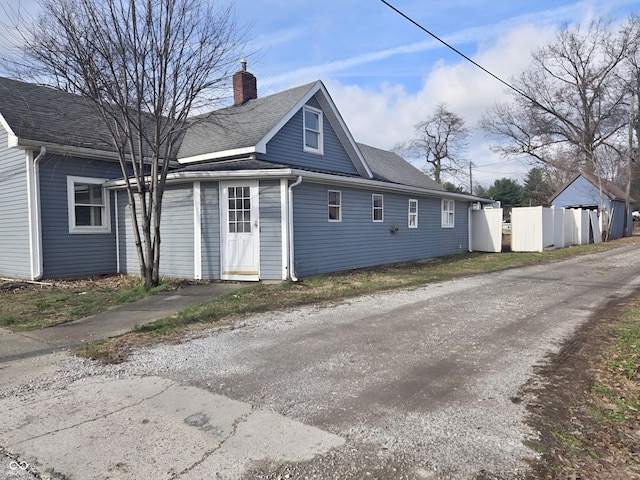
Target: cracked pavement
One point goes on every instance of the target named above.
(151, 426)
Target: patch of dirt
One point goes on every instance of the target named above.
(102, 282)
(576, 444)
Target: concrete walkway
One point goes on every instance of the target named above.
(116, 321)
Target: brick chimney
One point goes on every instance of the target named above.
(245, 86)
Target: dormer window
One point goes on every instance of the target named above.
(312, 130)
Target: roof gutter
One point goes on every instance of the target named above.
(332, 179)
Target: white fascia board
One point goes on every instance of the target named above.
(216, 155)
(13, 138)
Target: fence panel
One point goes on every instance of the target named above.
(486, 230)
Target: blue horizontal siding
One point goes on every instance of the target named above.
(356, 242)
(270, 231)
(176, 232)
(66, 255)
(210, 217)
(15, 257)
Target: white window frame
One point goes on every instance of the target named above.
(448, 213)
(319, 132)
(334, 205)
(414, 215)
(105, 227)
(374, 208)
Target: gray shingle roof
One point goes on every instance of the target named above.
(45, 115)
(38, 114)
(239, 126)
(389, 167)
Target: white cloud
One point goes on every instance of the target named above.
(385, 116)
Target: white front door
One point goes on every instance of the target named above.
(240, 232)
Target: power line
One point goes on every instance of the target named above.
(515, 89)
(501, 162)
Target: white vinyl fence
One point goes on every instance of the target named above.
(486, 230)
(535, 229)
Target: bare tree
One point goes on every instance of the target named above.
(572, 98)
(441, 141)
(144, 65)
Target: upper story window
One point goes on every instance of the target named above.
(377, 206)
(448, 213)
(88, 205)
(335, 206)
(413, 213)
(313, 141)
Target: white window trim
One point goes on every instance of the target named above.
(339, 219)
(412, 200)
(320, 149)
(71, 207)
(445, 213)
(373, 207)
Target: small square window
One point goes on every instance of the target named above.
(413, 213)
(448, 213)
(312, 120)
(377, 206)
(335, 206)
(88, 205)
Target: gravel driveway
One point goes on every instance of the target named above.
(422, 383)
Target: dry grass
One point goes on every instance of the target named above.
(28, 306)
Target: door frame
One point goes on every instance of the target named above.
(253, 274)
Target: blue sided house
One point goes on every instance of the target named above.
(583, 191)
(269, 188)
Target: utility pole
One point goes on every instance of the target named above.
(470, 178)
(632, 117)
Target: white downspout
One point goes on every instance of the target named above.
(117, 215)
(470, 227)
(290, 262)
(35, 223)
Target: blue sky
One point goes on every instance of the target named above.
(385, 74)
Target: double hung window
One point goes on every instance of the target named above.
(87, 205)
(413, 213)
(313, 141)
(377, 207)
(335, 205)
(448, 213)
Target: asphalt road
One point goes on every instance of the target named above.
(417, 384)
